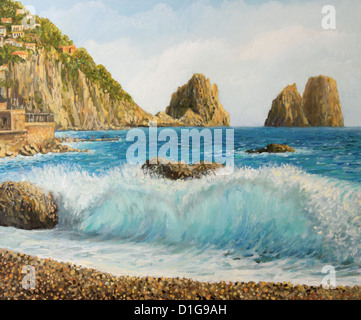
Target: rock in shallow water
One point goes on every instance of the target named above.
(273, 148)
(178, 170)
(25, 206)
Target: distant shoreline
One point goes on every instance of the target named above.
(64, 281)
(230, 127)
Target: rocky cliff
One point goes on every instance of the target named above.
(43, 83)
(319, 107)
(197, 104)
(51, 75)
(322, 103)
(287, 110)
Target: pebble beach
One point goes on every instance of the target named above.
(64, 281)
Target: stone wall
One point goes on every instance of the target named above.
(12, 141)
(17, 120)
(39, 133)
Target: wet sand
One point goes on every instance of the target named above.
(64, 281)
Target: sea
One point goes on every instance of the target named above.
(276, 217)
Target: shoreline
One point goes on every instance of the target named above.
(66, 281)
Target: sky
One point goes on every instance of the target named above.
(250, 49)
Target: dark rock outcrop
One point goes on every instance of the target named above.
(25, 206)
(320, 106)
(273, 148)
(53, 146)
(178, 170)
(322, 103)
(287, 110)
(197, 104)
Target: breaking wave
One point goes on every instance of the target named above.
(266, 213)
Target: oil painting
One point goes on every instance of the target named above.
(180, 150)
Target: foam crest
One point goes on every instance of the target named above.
(265, 213)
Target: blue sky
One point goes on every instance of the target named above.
(129, 7)
(251, 49)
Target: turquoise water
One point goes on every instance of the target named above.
(279, 217)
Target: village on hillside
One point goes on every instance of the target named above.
(18, 128)
(12, 33)
(22, 132)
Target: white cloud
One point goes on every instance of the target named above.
(251, 51)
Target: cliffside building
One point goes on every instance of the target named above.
(17, 34)
(30, 46)
(7, 20)
(12, 42)
(11, 120)
(29, 22)
(68, 49)
(16, 27)
(20, 54)
(3, 31)
(19, 128)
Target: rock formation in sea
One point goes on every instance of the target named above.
(274, 148)
(320, 106)
(197, 104)
(51, 146)
(25, 206)
(48, 73)
(174, 170)
(287, 110)
(43, 83)
(322, 103)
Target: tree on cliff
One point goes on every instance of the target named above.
(8, 8)
(50, 36)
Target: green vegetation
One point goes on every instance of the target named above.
(7, 84)
(49, 37)
(6, 57)
(98, 74)
(8, 8)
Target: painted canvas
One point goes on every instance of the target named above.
(180, 150)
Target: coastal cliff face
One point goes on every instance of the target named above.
(43, 83)
(320, 106)
(197, 104)
(287, 110)
(322, 103)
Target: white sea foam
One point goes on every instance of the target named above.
(269, 210)
(262, 223)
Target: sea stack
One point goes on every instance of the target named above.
(197, 103)
(322, 103)
(320, 106)
(287, 110)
